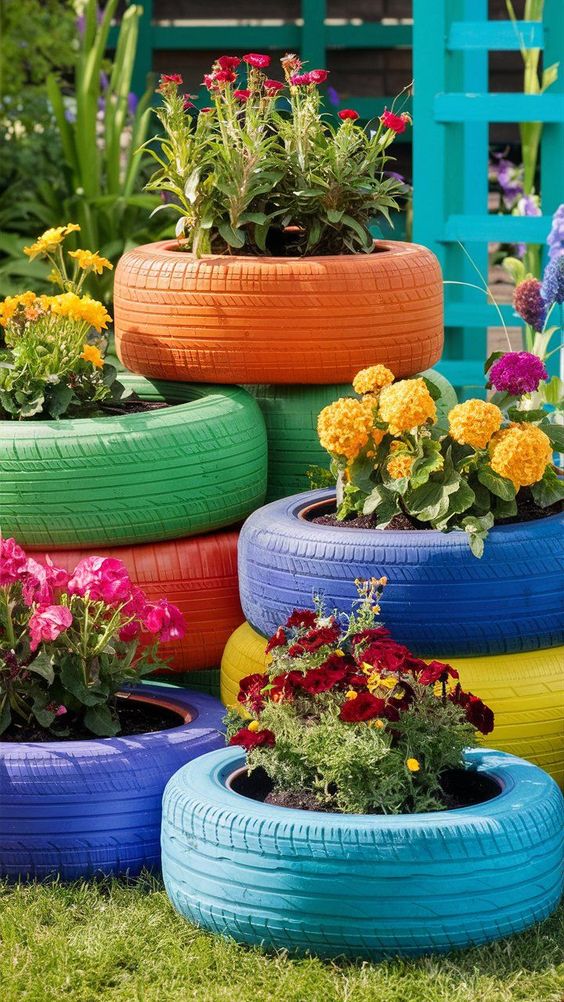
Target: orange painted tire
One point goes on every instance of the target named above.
(277, 320)
(198, 574)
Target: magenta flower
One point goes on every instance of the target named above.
(166, 620)
(517, 372)
(224, 76)
(257, 60)
(273, 86)
(102, 579)
(528, 301)
(47, 623)
(136, 607)
(318, 76)
(300, 80)
(12, 561)
(242, 95)
(40, 581)
(228, 62)
(348, 115)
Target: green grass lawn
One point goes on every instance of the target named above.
(124, 943)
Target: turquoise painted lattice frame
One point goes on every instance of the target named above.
(452, 110)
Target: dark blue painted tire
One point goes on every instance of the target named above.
(439, 597)
(363, 885)
(89, 808)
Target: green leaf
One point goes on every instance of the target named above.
(516, 269)
(5, 713)
(335, 215)
(514, 414)
(549, 76)
(504, 509)
(99, 720)
(191, 186)
(360, 472)
(430, 462)
(461, 500)
(43, 665)
(383, 504)
(235, 238)
(58, 399)
(553, 391)
(500, 486)
(549, 490)
(434, 391)
(477, 528)
(493, 358)
(71, 679)
(555, 433)
(362, 233)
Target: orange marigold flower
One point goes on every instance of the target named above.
(406, 405)
(372, 379)
(344, 427)
(91, 353)
(520, 453)
(400, 465)
(474, 422)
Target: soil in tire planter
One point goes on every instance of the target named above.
(134, 717)
(461, 788)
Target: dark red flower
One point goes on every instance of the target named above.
(479, 715)
(253, 739)
(356, 680)
(315, 639)
(365, 706)
(397, 123)
(318, 76)
(300, 80)
(170, 79)
(374, 633)
(209, 81)
(250, 691)
(224, 76)
(385, 655)
(319, 679)
(277, 640)
(257, 60)
(242, 95)
(273, 86)
(205, 110)
(436, 671)
(228, 62)
(187, 103)
(302, 617)
(349, 115)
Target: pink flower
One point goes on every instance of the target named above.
(348, 115)
(397, 123)
(273, 86)
(205, 110)
(224, 76)
(136, 607)
(12, 561)
(40, 581)
(242, 95)
(169, 80)
(101, 579)
(166, 620)
(318, 76)
(300, 80)
(47, 623)
(228, 62)
(209, 81)
(255, 59)
(187, 103)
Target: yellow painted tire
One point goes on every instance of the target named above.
(525, 691)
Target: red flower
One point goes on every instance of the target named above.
(253, 739)
(385, 656)
(300, 79)
(209, 81)
(187, 103)
(315, 639)
(318, 76)
(257, 60)
(282, 686)
(479, 715)
(436, 671)
(224, 76)
(397, 123)
(203, 110)
(273, 86)
(302, 617)
(168, 80)
(365, 706)
(250, 691)
(349, 114)
(319, 679)
(242, 95)
(228, 62)
(374, 633)
(278, 640)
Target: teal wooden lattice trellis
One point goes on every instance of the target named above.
(452, 111)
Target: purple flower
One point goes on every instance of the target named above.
(552, 288)
(517, 372)
(333, 96)
(528, 206)
(132, 102)
(529, 303)
(510, 179)
(555, 239)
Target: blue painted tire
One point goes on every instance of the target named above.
(362, 885)
(439, 596)
(78, 809)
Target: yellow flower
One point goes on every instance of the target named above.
(91, 261)
(95, 313)
(379, 724)
(68, 304)
(413, 765)
(93, 354)
(400, 465)
(520, 453)
(474, 422)
(253, 726)
(406, 405)
(50, 240)
(11, 303)
(351, 694)
(344, 426)
(372, 380)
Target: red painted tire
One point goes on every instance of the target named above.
(198, 574)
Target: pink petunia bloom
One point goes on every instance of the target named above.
(47, 623)
(257, 60)
(41, 580)
(101, 579)
(166, 620)
(12, 561)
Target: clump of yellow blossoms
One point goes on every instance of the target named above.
(521, 453)
(50, 240)
(474, 422)
(67, 304)
(405, 405)
(91, 261)
(372, 379)
(400, 465)
(344, 427)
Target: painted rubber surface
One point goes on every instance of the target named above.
(136, 478)
(198, 574)
(202, 680)
(277, 320)
(362, 885)
(525, 691)
(439, 596)
(290, 414)
(86, 808)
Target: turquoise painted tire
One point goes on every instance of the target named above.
(163, 474)
(365, 886)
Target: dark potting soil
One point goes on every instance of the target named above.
(527, 511)
(461, 788)
(136, 406)
(135, 718)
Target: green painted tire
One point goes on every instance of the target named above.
(290, 414)
(200, 679)
(179, 471)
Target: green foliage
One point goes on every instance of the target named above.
(243, 172)
(37, 37)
